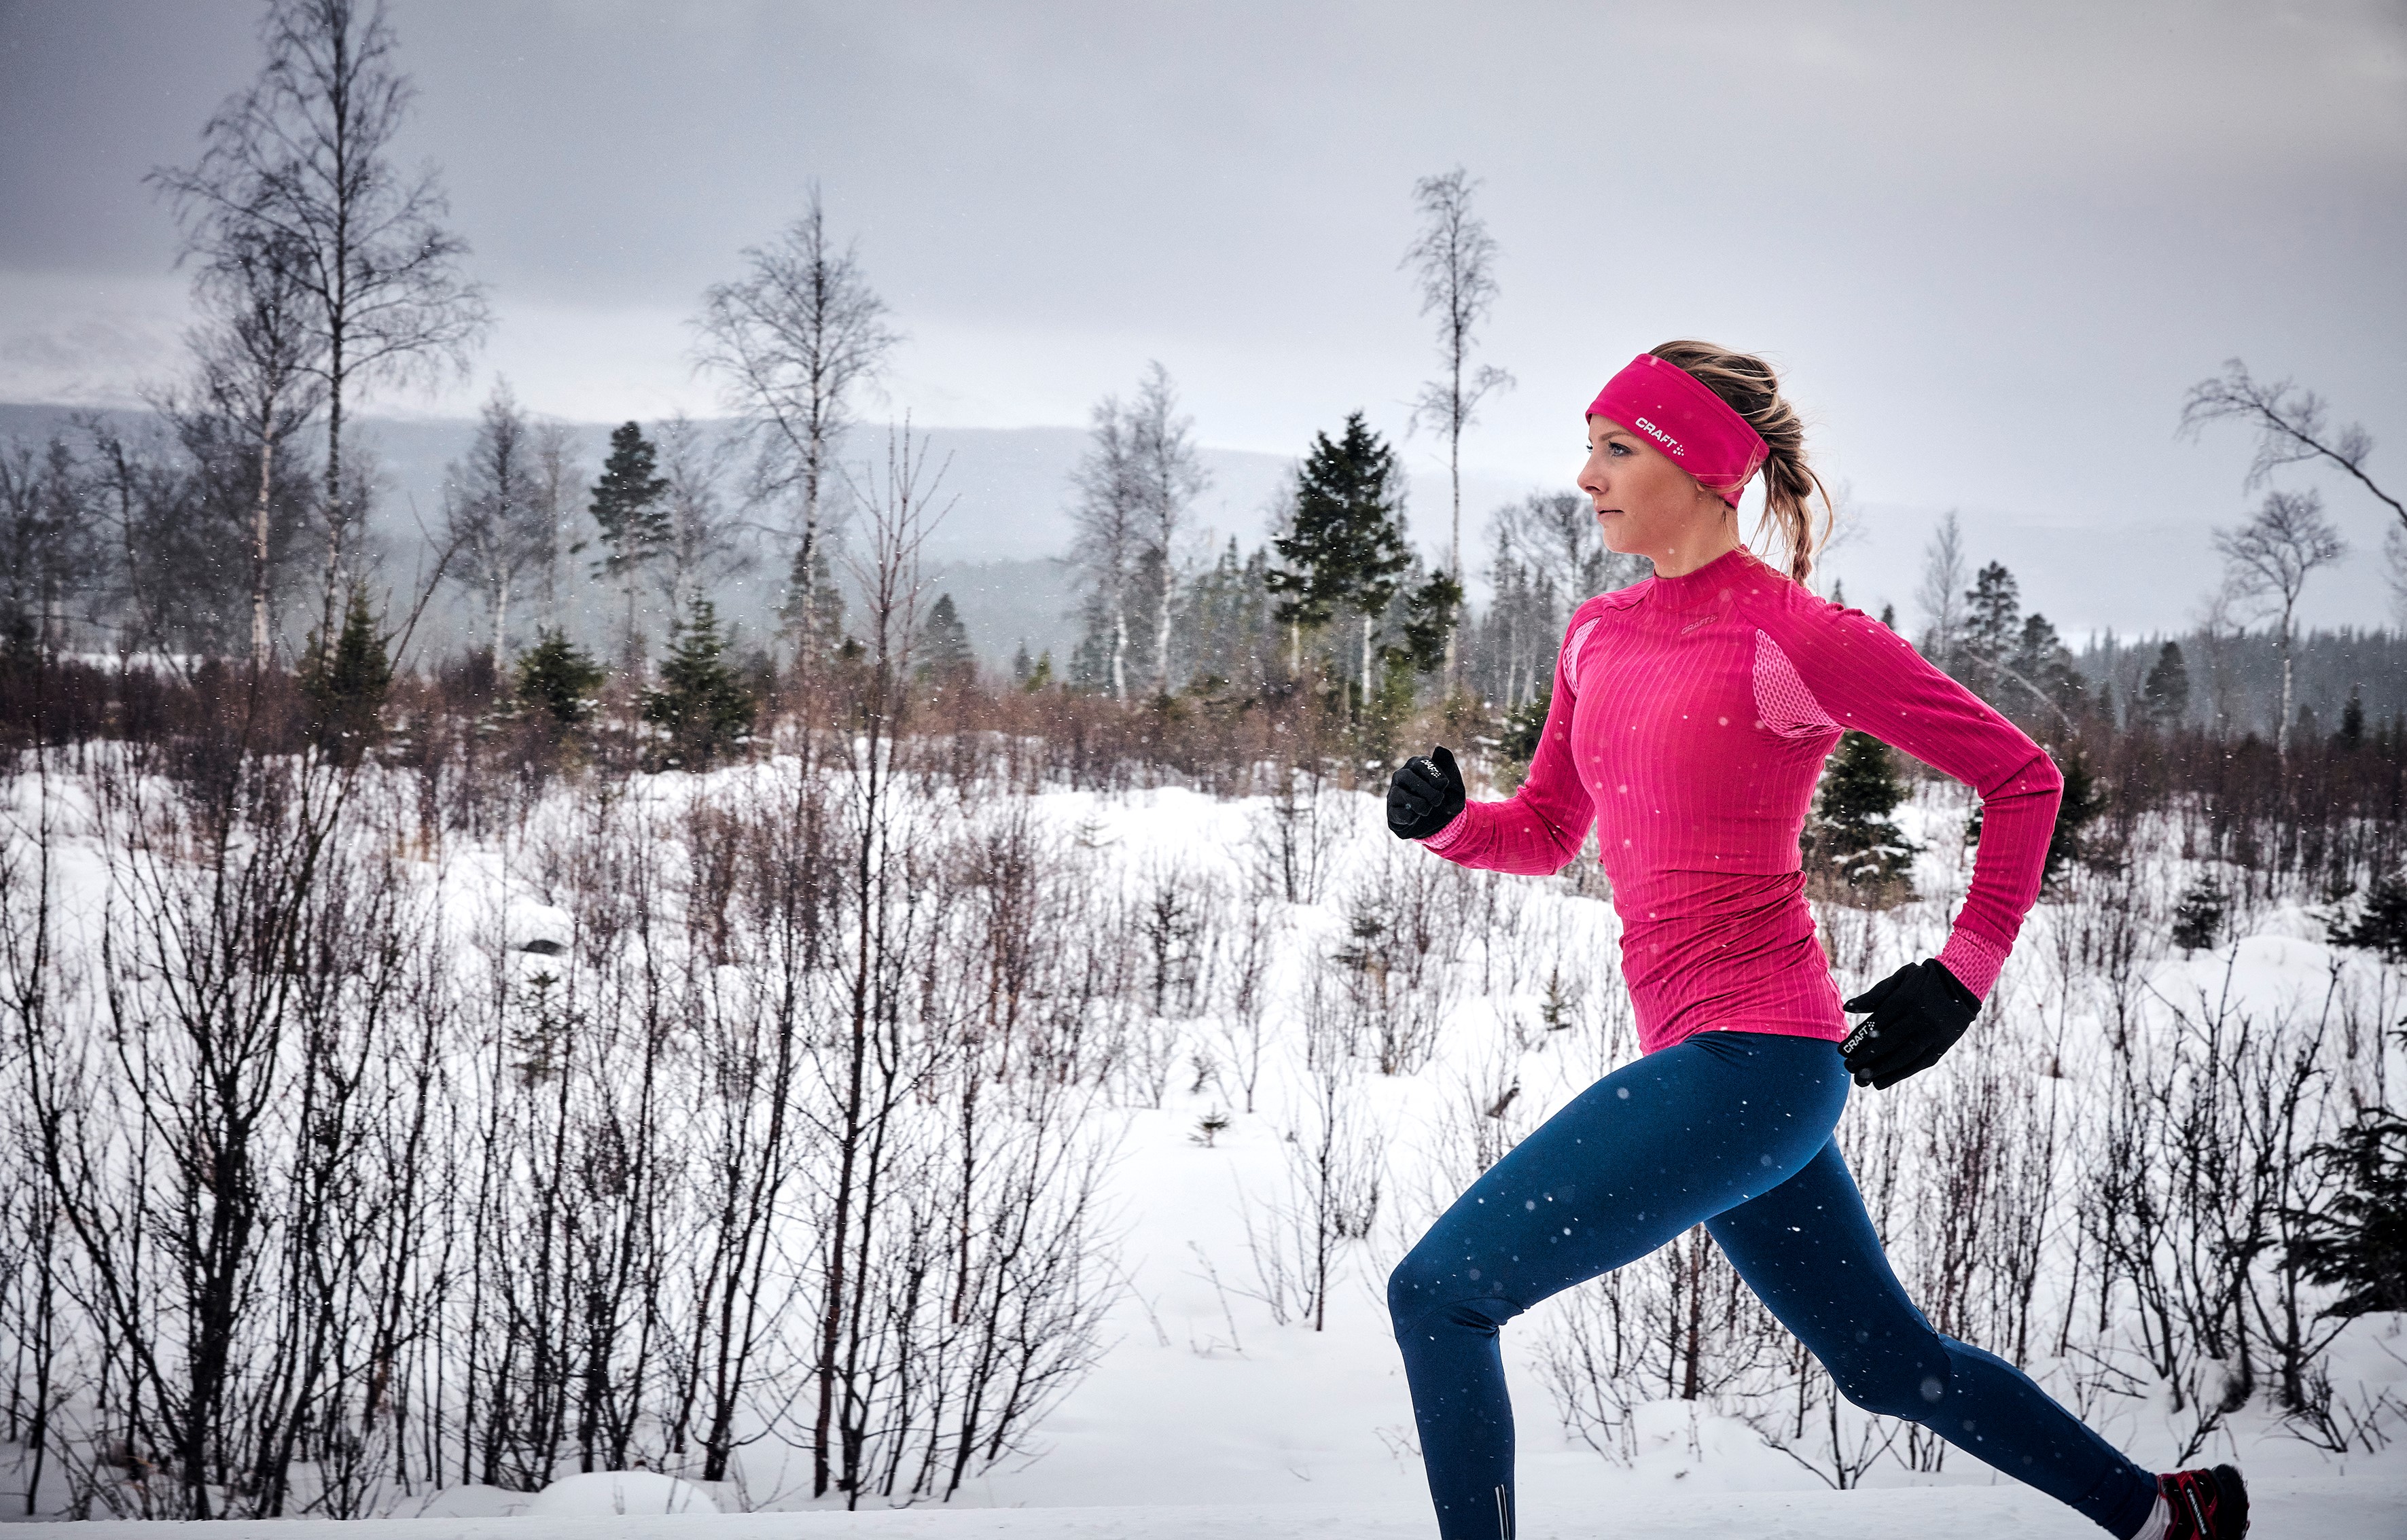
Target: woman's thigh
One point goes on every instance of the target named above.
(1654, 1147)
(1809, 1251)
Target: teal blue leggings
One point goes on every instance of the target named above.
(1732, 1130)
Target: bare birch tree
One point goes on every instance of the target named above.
(1941, 593)
(2293, 426)
(1110, 521)
(1166, 474)
(1555, 534)
(260, 367)
(2394, 554)
(2268, 560)
(559, 488)
(492, 511)
(701, 542)
(1454, 259)
(795, 341)
(302, 163)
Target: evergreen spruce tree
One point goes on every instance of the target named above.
(945, 653)
(2382, 923)
(1993, 625)
(1429, 610)
(2166, 690)
(346, 684)
(702, 701)
(1994, 621)
(813, 607)
(2351, 736)
(2358, 1240)
(2197, 919)
(1518, 735)
(1229, 633)
(1852, 837)
(1346, 550)
(628, 507)
(2081, 801)
(2047, 664)
(558, 679)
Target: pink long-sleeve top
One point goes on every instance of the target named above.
(1690, 718)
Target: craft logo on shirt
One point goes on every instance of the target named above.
(1663, 439)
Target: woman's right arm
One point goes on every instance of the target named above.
(1540, 828)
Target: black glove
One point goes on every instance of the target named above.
(1917, 1014)
(1425, 795)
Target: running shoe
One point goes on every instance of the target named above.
(2205, 1504)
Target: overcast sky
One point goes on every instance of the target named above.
(1990, 244)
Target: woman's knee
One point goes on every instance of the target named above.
(1907, 1379)
(1429, 1283)
(1912, 1395)
(1414, 1286)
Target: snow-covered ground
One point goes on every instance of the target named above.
(2309, 1508)
(1208, 1417)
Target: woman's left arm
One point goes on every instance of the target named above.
(1867, 678)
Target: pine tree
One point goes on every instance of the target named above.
(1993, 625)
(2166, 690)
(2197, 919)
(2382, 923)
(1852, 836)
(2081, 801)
(2359, 1239)
(1345, 551)
(628, 505)
(701, 700)
(1429, 610)
(346, 684)
(2046, 664)
(1519, 733)
(2351, 736)
(1228, 632)
(558, 679)
(945, 653)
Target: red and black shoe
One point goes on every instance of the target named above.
(2205, 1504)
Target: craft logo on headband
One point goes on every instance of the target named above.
(1681, 412)
(1659, 436)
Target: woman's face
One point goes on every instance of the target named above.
(1647, 506)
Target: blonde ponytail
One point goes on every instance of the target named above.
(1748, 385)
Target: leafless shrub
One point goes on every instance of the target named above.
(1390, 970)
(1292, 838)
(1245, 1003)
(1337, 1171)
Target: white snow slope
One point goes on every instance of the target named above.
(2357, 1508)
(1207, 1418)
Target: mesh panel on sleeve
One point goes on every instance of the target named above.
(1782, 701)
(1572, 653)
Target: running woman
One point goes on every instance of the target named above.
(1691, 714)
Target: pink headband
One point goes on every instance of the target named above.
(1694, 427)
